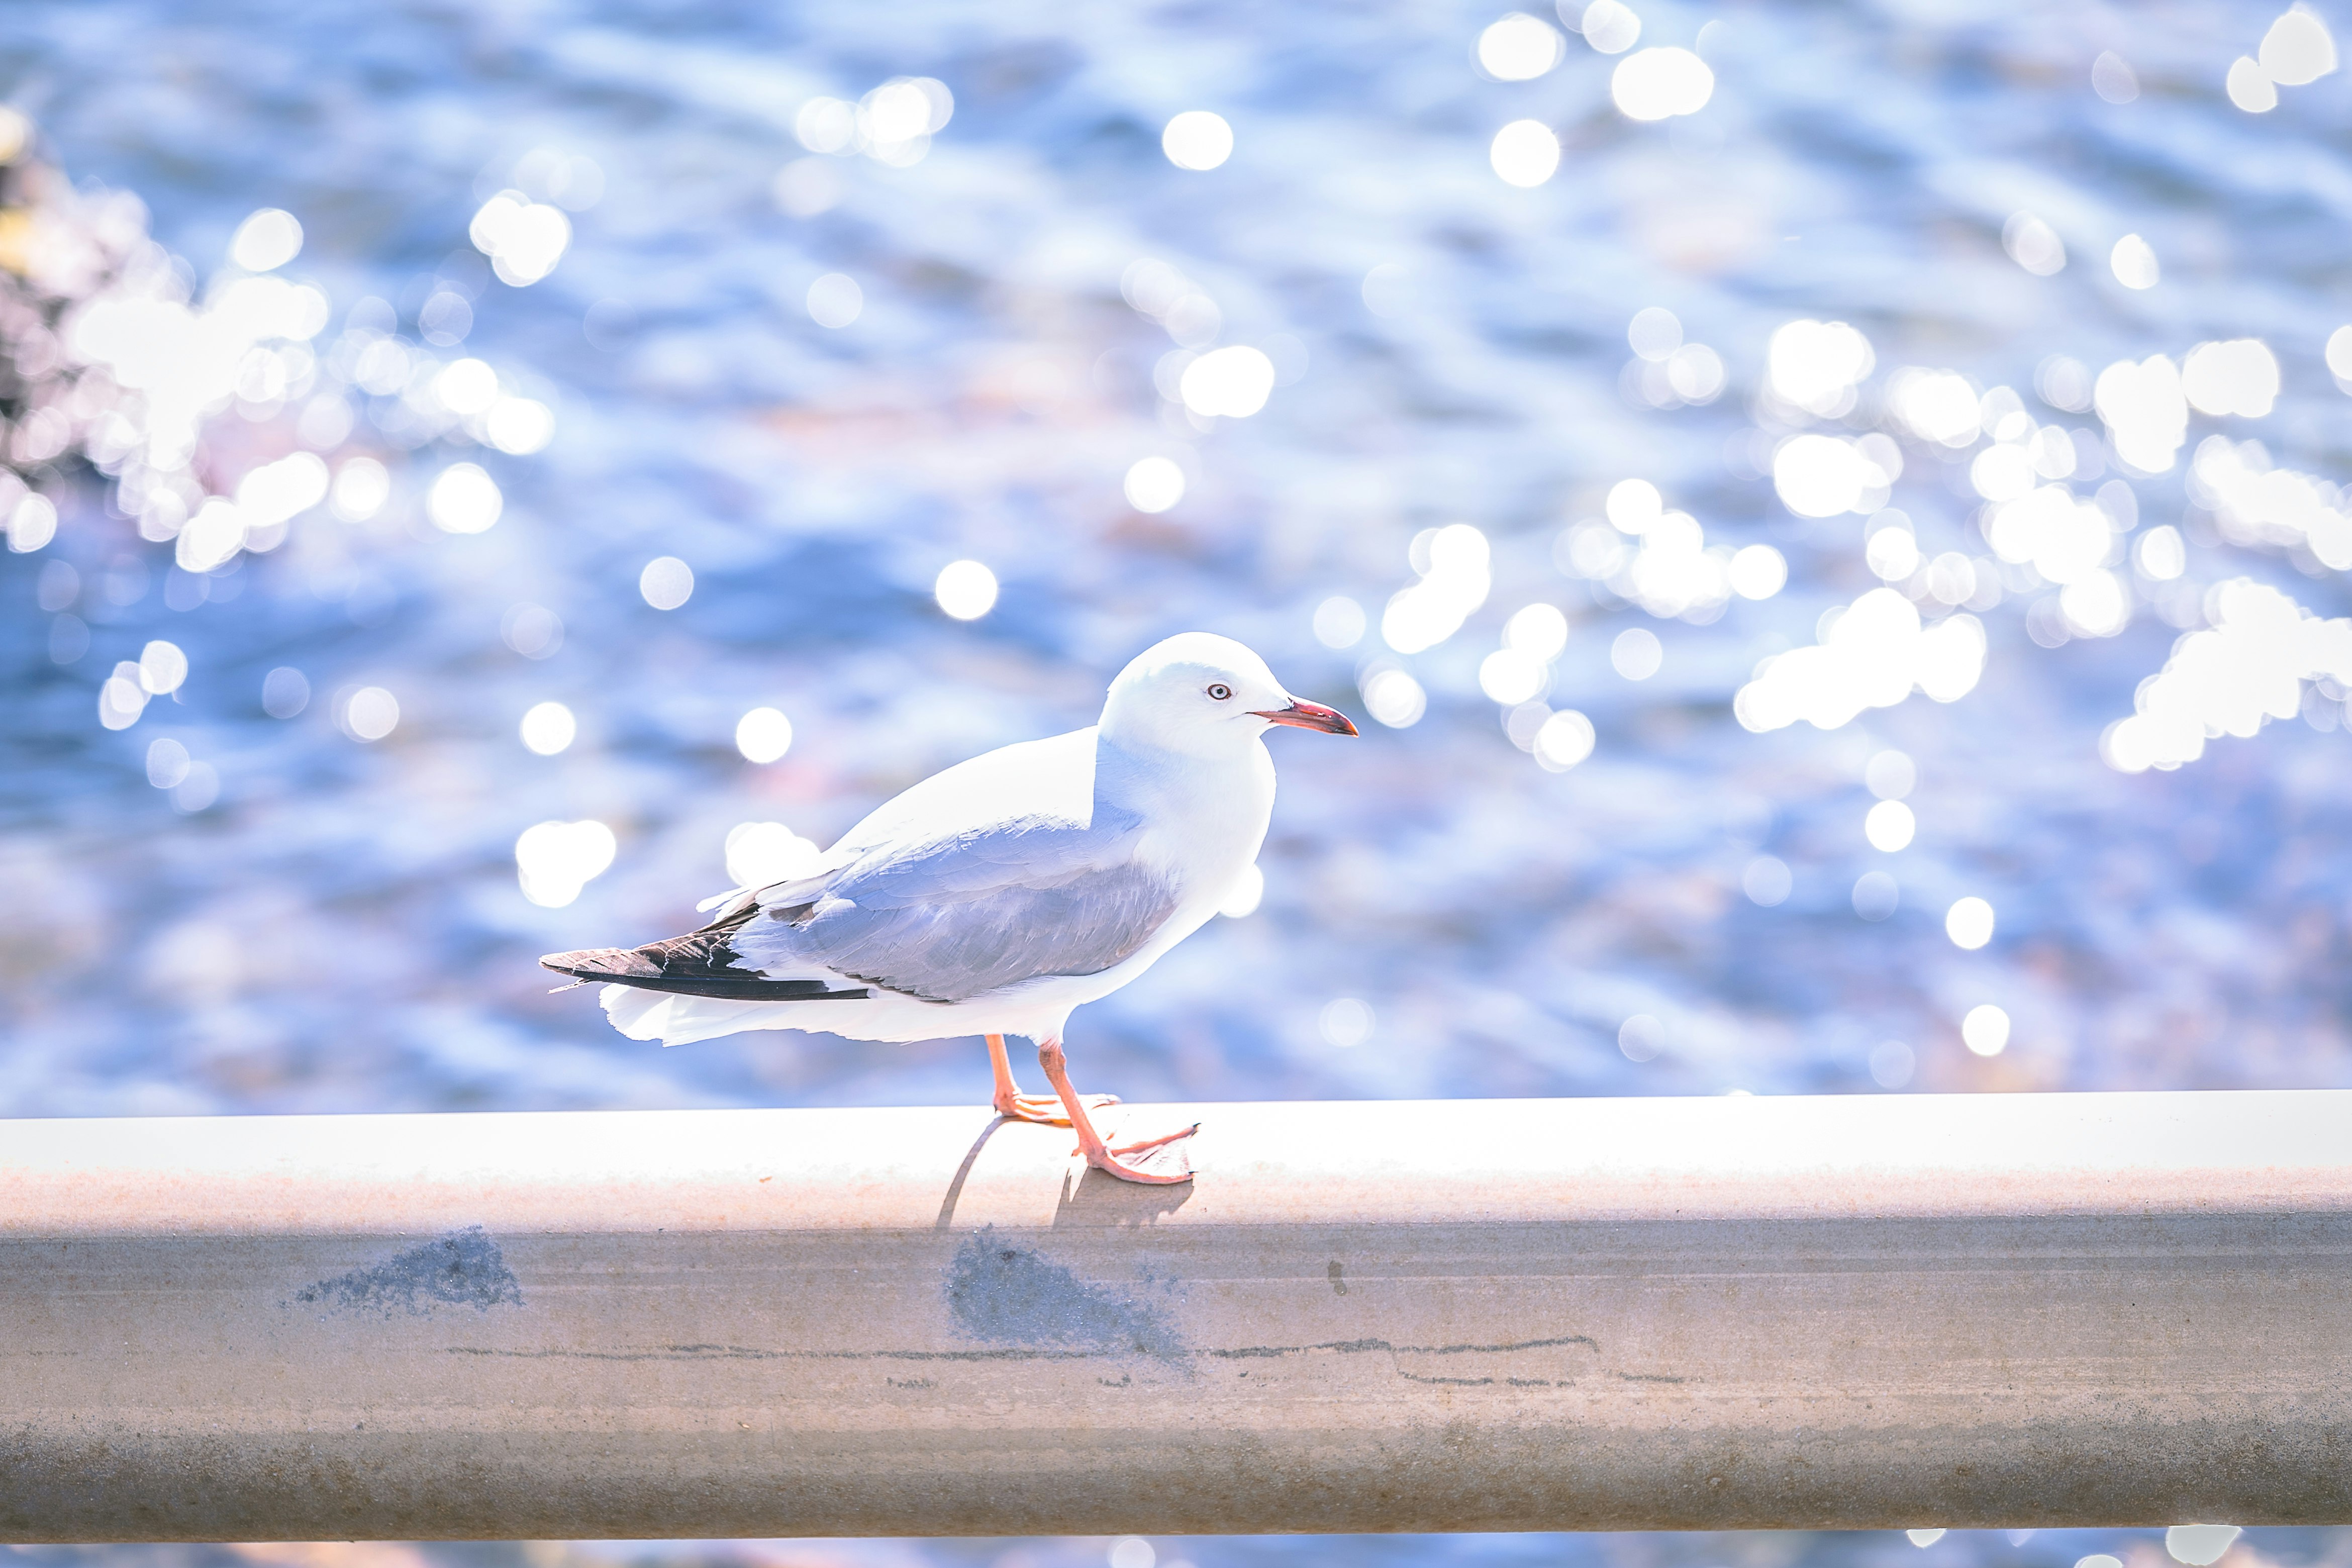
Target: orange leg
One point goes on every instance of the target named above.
(1164, 1171)
(1015, 1106)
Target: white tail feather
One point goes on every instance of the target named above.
(676, 1020)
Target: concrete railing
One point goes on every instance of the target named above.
(1467, 1315)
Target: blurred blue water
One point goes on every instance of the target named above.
(342, 927)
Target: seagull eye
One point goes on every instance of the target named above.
(1221, 692)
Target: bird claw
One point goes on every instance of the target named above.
(1164, 1163)
(1046, 1109)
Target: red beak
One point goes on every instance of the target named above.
(1303, 715)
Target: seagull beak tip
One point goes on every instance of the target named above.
(1304, 715)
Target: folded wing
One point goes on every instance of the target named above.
(958, 917)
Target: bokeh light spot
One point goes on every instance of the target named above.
(1154, 484)
(1985, 1030)
(1345, 1022)
(554, 860)
(1636, 653)
(763, 735)
(1610, 27)
(464, 500)
(1564, 740)
(1197, 139)
(548, 728)
(666, 583)
(1394, 697)
(1340, 622)
(835, 299)
(1520, 48)
(965, 589)
(2134, 261)
(369, 713)
(1890, 827)
(266, 241)
(1766, 881)
(1246, 893)
(1660, 83)
(1969, 923)
(1526, 153)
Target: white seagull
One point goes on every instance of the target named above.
(996, 896)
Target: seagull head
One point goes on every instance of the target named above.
(1201, 693)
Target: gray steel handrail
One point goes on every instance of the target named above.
(1821, 1312)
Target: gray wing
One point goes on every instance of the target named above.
(961, 916)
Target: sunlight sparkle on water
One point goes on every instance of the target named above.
(1985, 1031)
(2112, 79)
(1610, 27)
(1197, 139)
(1537, 630)
(369, 713)
(666, 583)
(1827, 476)
(285, 692)
(2146, 411)
(1641, 1037)
(1345, 1022)
(266, 241)
(1243, 899)
(1636, 653)
(2257, 503)
(1817, 364)
(2248, 87)
(464, 500)
(2240, 376)
(1889, 826)
(362, 487)
(524, 240)
(2298, 49)
(2033, 245)
(466, 386)
(763, 735)
(32, 523)
(1394, 697)
(1969, 923)
(1891, 553)
(1234, 381)
(1940, 405)
(519, 425)
(1660, 83)
(548, 728)
(1339, 622)
(161, 669)
(2231, 677)
(762, 853)
(1454, 583)
(1875, 654)
(1154, 484)
(1766, 881)
(555, 859)
(835, 300)
(2134, 261)
(1890, 774)
(1566, 739)
(1520, 48)
(1526, 153)
(965, 589)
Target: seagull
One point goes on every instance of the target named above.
(997, 897)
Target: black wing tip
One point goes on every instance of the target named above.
(627, 966)
(596, 963)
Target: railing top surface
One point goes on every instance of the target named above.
(1346, 1163)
